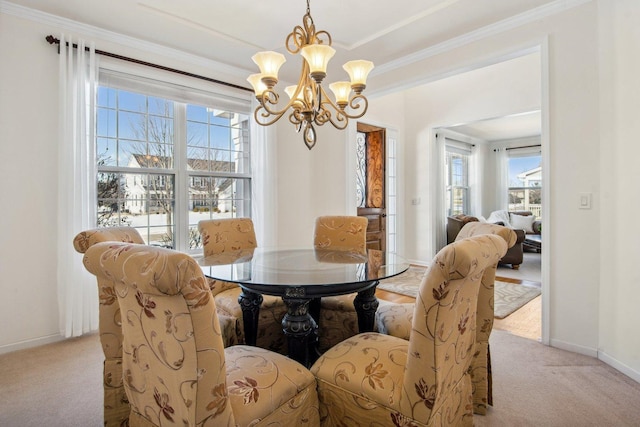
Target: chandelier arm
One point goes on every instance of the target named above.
(340, 118)
(271, 97)
(296, 40)
(355, 105)
(261, 121)
(318, 38)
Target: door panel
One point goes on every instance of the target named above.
(373, 200)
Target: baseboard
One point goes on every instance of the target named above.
(562, 345)
(619, 366)
(8, 348)
(419, 263)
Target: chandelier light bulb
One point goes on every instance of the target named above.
(258, 86)
(317, 56)
(358, 71)
(290, 90)
(341, 90)
(269, 63)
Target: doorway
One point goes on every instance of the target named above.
(371, 184)
(509, 170)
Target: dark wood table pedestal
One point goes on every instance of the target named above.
(298, 324)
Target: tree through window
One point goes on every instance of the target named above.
(164, 165)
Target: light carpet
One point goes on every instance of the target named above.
(508, 297)
(60, 385)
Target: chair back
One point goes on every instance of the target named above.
(85, 239)
(480, 366)
(443, 336)
(116, 406)
(343, 233)
(227, 234)
(173, 354)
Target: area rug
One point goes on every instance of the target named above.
(508, 297)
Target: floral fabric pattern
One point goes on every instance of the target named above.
(346, 233)
(338, 319)
(176, 369)
(116, 405)
(373, 379)
(481, 366)
(231, 235)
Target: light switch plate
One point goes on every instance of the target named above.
(585, 201)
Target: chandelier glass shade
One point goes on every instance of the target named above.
(308, 103)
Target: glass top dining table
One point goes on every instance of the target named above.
(300, 277)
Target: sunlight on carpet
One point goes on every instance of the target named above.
(508, 297)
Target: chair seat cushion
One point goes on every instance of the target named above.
(272, 310)
(362, 375)
(338, 320)
(269, 388)
(395, 319)
(229, 330)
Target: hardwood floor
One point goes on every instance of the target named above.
(525, 322)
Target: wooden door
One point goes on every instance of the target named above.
(371, 183)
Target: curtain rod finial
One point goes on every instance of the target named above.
(52, 40)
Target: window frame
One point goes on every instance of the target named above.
(184, 95)
(525, 153)
(464, 153)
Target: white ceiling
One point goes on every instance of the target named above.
(502, 128)
(230, 32)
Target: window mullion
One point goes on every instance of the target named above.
(182, 183)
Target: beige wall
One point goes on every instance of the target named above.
(618, 154)
(28, 172)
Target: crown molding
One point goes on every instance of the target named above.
(69, 25)
(479, 34)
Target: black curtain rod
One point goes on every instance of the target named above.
(52, 40)
(516, 148)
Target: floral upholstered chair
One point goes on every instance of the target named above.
(374, 379)
(396, 319)
(337, 316)
(116, 405)
(481, 364)
(236, 234)
(176, 369)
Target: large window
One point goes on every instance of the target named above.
(164, 165)
(525, 183)
(457, 180)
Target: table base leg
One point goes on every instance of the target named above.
(366, 305)
(301, 331)
(250, 304)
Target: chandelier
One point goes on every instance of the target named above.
(308, 103)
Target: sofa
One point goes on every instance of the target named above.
(522, 226)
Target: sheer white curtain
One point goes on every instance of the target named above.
(502, 179)
(439, 182)
(476, 183)
(77, 290)
(264, 180)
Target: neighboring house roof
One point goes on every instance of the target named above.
(142, 160)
